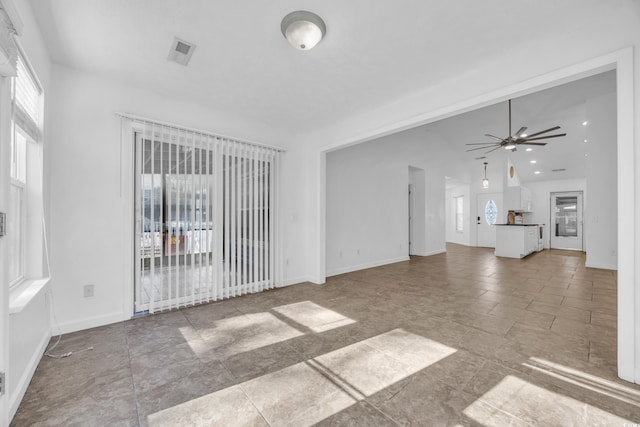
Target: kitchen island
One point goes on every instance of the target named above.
(517, 240)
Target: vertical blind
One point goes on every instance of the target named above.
(206, 217)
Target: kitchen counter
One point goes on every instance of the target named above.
(517, 240)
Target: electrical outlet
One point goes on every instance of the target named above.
(88, 290)
(2, 383)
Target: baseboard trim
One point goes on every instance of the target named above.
(294, 281)
(91, 322)
(366, 265)
(26, 377)
(436, 252)
(601, 266)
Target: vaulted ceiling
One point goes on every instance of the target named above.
(564, 105)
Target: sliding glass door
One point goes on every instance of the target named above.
(205, 227)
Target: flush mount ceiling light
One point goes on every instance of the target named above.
(485, 181)
(303, 29)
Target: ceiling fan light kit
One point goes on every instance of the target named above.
(514, 140)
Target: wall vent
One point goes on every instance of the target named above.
(181, 51)
(558, 170)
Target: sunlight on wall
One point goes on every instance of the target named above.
(308, 392)
(514, 400)
(313, 316)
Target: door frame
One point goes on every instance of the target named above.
(580, 195)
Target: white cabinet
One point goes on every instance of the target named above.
(530, 239)
(516, 241)
(526, 200)
(518, 198)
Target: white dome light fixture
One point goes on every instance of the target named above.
(303, 29)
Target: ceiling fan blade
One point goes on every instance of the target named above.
(521, 130)
(545, 137)
(543, 131)
(482, 148)
(532, 143)
(482, 143)
(493, 136)
(499, 146)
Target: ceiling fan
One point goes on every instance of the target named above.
(518, 138)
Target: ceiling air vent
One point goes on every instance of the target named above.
(181, 51)
(558, 170)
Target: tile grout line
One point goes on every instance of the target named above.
(253, 404)
(133, 382)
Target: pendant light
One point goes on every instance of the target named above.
(485, 181)
(303, 29)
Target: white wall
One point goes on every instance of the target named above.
(452, 235)
(541, 209)
(602, 183)
(88, 204)
(367, 205)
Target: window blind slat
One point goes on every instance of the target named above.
(26, 100)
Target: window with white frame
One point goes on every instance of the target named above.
(26, 98)
(459, 214)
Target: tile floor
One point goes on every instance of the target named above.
(462, 338)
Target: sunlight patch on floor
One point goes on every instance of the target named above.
(313, 316)
(514, 401)
(587, 381)
(308, 392)
(206, 411)
(371, 365)
(239, 334)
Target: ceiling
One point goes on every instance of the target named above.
(564, 105)
(374, 53)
